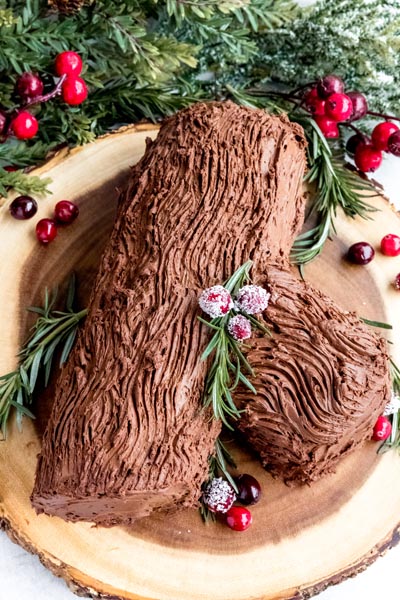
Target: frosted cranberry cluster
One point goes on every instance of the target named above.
(250, 299)
(219, 496)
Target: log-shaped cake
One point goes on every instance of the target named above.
(127, 435)
(321, 379)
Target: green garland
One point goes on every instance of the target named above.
(147, 59)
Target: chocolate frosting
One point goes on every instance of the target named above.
(127, 434)
(322, 381)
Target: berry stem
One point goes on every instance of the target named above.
(55, 92)
(284, 95)
(303, 87)
(354, 128)
(387, 117)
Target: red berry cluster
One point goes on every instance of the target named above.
(219, 496)
(330, 105)
(29, 89)
(362, 253)
(25, 207)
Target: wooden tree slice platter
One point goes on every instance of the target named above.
(303, 538)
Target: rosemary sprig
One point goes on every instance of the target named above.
(53, 330)
(378, 324)
(229, 361)
(336, 187)
(218, 468)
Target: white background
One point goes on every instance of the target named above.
(22, 577)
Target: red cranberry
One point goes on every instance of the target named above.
(29, 86)
(23, 207)
(390, 245)
(367, 158)
(338, 107)
(238, 518)
(359, 105)
(394, 143)
(354, 140)
(68, 63)
(10, 168)
(74, 90)
(216, 301)
(396, 282)
(360, 253)
(313, 103)
(239, 327)
(219, 495)
(46, 230)
(382, 429)
(65, 211)
(328, 127)
(330, 84)
(249, 490)
(381, 134)
(24, 125)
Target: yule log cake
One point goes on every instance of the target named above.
(220, 185)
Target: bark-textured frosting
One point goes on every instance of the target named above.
(322, 381)
(221, 184)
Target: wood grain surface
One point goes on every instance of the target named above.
(302, 539)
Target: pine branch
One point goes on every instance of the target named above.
(54, 330)
(22, 183)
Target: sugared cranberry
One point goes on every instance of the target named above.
(381, 134)
(359, 105)
(328, 127)
(330, 84)
(46, 230)
(216, 301)
(219, 495)
(367, 158)
(338, 107)
(68, 63)
(239, 518)
(252, 299)
(354, 140)
(313, 103)
(239, 327)
(390, 245)
(29, 86)
(65, 212)
(360, 253)
(24, 125)
(382, 429)
(249, 490)
(74, 91)
(3, 122)
(396, 282)
(23, 207)
(394, 143)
